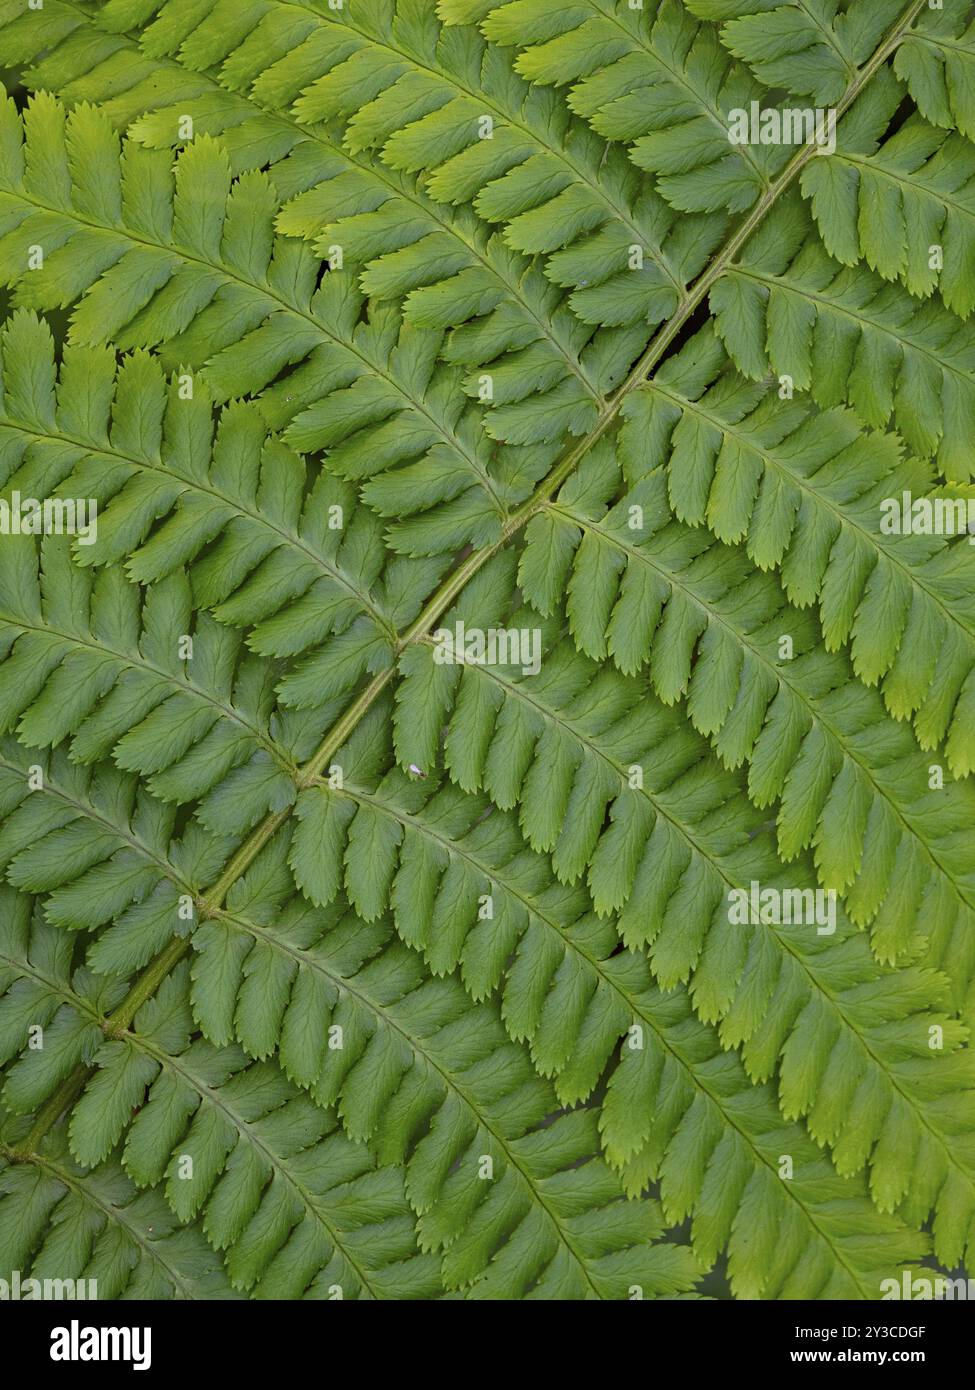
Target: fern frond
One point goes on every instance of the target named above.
(206, 277)
(547, 183)
(818, 746)
(432, 1080)
(169, 697)
(396, 1074)
(295, 560)
(61, 1221)
(936, 61)
(892, 202)
(804, 491)
(300, 1205)
(545, 372)
(433, 1016)
(651, 76)
(100, 847)
(398, 1079)
(400, 85)
(365, 206)
(844, 334)
(806, 47)
(435, 859)
(401, 973)
(685, 1113)
(298, 1208)
(295, 1203)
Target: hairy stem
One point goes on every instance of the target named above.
(151, 978)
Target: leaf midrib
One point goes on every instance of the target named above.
(819, 297)
(678, 77)
(89, 811)
(819, 500)
(872, 163)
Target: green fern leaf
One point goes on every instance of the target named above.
(487, 599)
(808, 48)
(777, 476)
(652, 77)
(894, 204)
(62, 1223)
(845, 335)
(935, 60)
